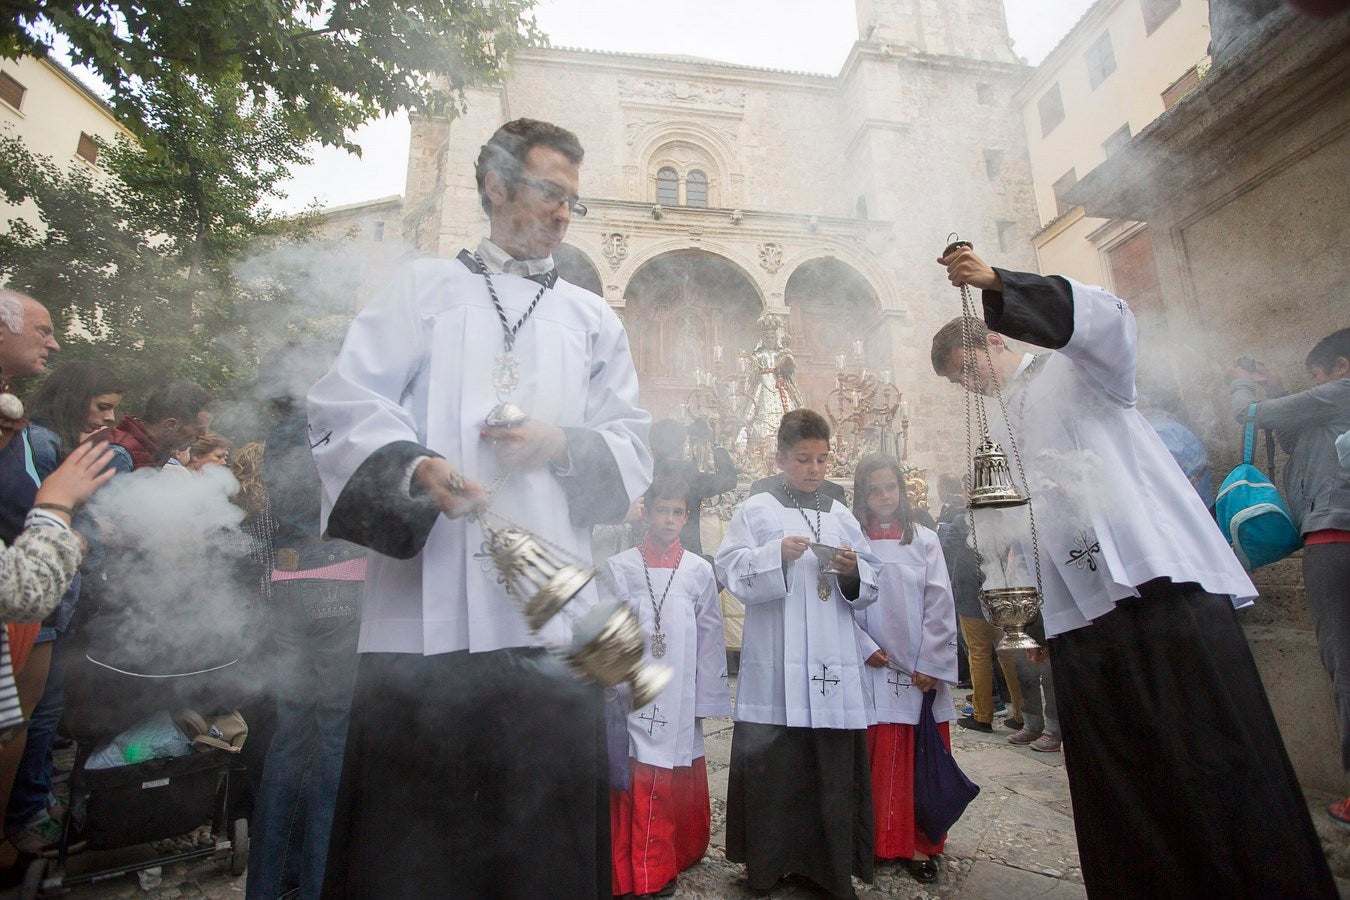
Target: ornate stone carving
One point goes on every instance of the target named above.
(635, 127)
(615, 248)
(670, 91)
(771, 257)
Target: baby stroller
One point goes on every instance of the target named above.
(111, 687)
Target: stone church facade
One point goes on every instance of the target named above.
(719, 192)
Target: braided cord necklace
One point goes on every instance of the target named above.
(506, 372)
(658, 636)
(824, 589)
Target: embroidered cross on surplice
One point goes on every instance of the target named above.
(824, 678)
(654, 719)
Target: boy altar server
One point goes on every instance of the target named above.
(1140, 589)
(661, 824)
(799, 796)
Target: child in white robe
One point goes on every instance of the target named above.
(908, 638)
(661, 824)
(799, 794)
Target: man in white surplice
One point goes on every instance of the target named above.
(1168, 735)
(475, 765)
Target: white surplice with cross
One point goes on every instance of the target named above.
(800, 661)
(668, 732)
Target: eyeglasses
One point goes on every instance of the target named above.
(554, 195)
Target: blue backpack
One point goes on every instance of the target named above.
(1251, 512)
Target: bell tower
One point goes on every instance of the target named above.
(975, 29)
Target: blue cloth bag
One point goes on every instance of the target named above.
(941, 790)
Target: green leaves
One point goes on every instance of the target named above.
(333, 65)
(139, 264)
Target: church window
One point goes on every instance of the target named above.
(87, 149)
(1051, 108)
(861, 207)
(696, 189)
(667, 187)
(1117, 141)
(1157, 11)
(993, 163)
(1101, 59)
(379, 232)
(11, 90)
(1061, 187)
(984, 93)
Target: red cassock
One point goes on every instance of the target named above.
(890, 748)
(660, 826)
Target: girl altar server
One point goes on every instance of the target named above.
(908, 638)
(661, 824)
(799, 796)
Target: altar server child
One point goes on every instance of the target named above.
(661, 824)
(799, 796)
(908, 638)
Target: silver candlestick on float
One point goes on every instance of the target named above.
(997, 505)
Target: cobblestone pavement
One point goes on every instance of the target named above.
(1016, 839)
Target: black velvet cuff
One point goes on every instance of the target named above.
(374, 509)
(1034, 308)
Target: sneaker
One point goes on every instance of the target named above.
(1046, 743)
(41, 833)
(974, 724)
(1000, 710)
(1340, 813)
(1023, 737)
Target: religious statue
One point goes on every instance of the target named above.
(772, 389)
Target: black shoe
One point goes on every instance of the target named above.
(963, 685)
(1014, 724)
(974, 724)
(924, 871)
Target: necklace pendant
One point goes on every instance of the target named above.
(658, 645)
(505, 374)
(824, 589)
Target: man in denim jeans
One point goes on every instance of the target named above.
(314, 616)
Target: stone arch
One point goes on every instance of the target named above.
(737, 260)
(680, 304)
(833, 306)
(575, 265)
(879, 282)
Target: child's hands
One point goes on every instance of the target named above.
(845, 562)
(924, 682)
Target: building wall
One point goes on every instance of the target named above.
(789, 156)
(55, 110)
(1146, 65)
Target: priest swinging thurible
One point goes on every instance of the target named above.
(1168, 735)
(475, 763)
